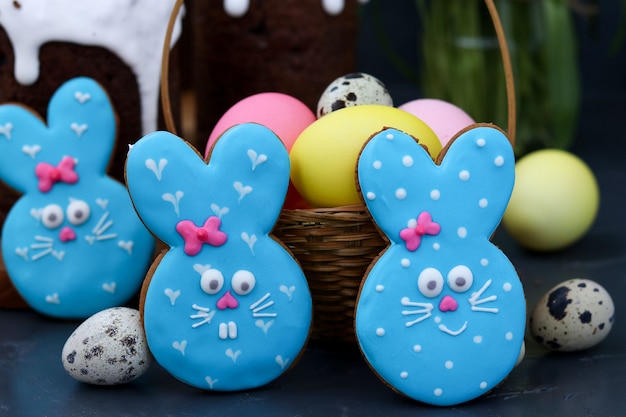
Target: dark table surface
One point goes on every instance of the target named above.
(337, 382)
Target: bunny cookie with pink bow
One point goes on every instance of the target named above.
(72, 244)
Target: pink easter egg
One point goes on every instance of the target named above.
(283, 114)
(445, 119)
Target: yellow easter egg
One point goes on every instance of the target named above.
(554, 202)
(324, 156)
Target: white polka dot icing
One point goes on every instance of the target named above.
(72, 244)
(470, 304)
(227, 308)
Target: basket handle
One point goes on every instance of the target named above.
(497, 24)
(165, 70)
(508, 69)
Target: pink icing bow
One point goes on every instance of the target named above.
(49, 174)
(425, 226)
(195, 236)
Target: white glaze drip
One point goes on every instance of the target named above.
(132, 29)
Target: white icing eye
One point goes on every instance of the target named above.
(243, 282)
(460, 278)
(78, 212)
(212, 281)
(430, 282)
(52, 216)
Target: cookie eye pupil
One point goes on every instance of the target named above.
(211, 281)
(78, 212)
(52, 216)
(430, 282)
(460, 278)
(243, 282)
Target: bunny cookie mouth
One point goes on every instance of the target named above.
(457, 332)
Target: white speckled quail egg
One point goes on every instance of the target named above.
(109, 348)
(573, 315)
(353, 90)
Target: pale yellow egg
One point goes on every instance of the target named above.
(555, 200)
(324, 157)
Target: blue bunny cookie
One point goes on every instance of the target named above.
(226, 307)
(441, 313)
(72, 244)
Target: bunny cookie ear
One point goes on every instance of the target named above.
(243, 186)
(19, 151)
(81, 126)
(82, 114)
(480, 163)
(469, 189)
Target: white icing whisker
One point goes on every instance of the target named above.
(263, 307)
(486, 300)
(475, 300)
(106, 237)
(41, 245)
(41, 254)
(203, 313)
(426, 311)
(257, 308)
(259, 301)
(100, 223)
(104, 228)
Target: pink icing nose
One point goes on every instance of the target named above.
(67, 234)
(227, 301)
(448, 304)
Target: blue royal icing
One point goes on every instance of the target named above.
(441, 313)
(72, 244)
(227, 307)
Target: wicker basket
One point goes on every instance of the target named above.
(335, 246)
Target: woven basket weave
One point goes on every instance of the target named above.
(335, 246)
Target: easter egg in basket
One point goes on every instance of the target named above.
(285, 115)
(444, 118)
(323, 158)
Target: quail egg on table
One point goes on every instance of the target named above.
(573, 315)
(109, 348)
